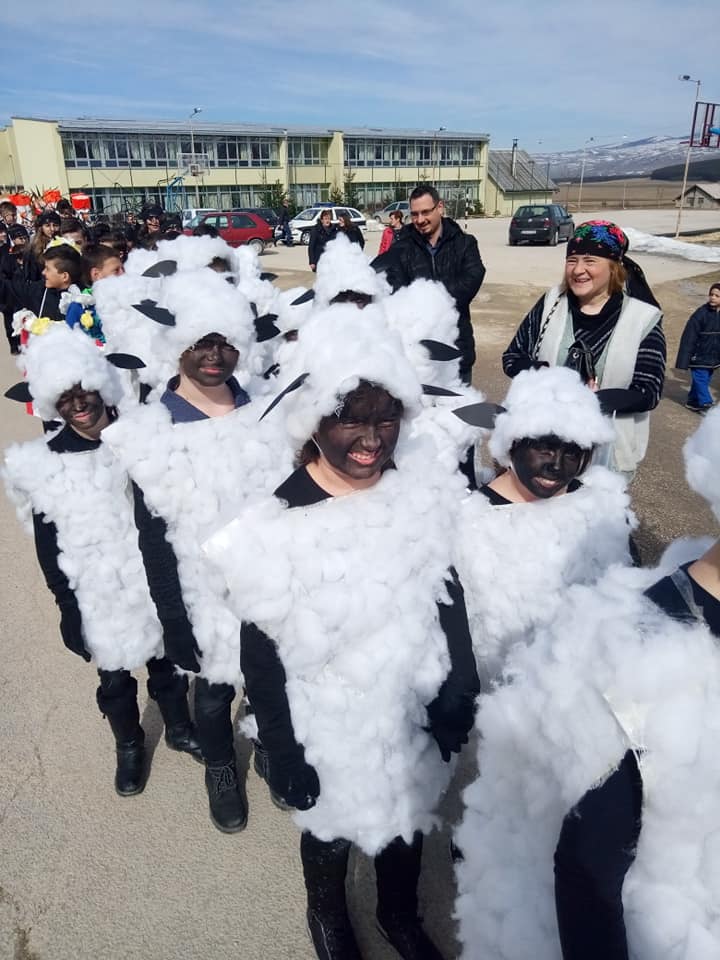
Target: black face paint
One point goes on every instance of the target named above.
(546, 465)
(210, 362)
(360, 438)
(81, 409)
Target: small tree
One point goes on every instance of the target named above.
(272, 195)
(351, 197)
(336, 195)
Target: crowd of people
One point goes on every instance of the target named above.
(297, 498)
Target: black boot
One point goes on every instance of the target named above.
(117, 700)
(397, 869)
(260, 766)
(324, 869)
(169, 690)
(228, 810)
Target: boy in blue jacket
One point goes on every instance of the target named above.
(699, 351)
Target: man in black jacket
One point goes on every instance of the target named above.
(435, 248)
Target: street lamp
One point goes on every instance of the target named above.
(698, 83)
(195, 112)
(582, 170)
(436, 162)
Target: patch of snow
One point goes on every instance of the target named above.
(665, 246)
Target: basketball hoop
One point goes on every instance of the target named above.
(193, 164)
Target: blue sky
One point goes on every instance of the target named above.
(555, 72)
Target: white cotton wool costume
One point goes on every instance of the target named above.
(347, 589)
(198, 475)
(612, 672)
(86, 496)
(344, 266)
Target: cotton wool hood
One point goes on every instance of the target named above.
(702, 460)
(344, 266)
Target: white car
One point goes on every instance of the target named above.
(383, 216)
(302, 224)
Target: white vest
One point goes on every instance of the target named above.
(636, 320)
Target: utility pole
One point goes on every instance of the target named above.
(698, 84)
(196, 110)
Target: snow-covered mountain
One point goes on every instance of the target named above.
(627, 158)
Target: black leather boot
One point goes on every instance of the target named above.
(117, 700)
(397, 870)
(169, 690)
(324, 869)
(260, 766)
(228, 810)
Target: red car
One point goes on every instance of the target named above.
(237, 229)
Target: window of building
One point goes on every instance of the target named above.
(307, 151)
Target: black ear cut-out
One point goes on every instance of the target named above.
(253, 307)
(303, 298)
(440, 351)
(124, 361)
(480, 414)
(297, 382)
(152, 311)
(430, 390)
(163, 268)
(265, 328)
(266, 275)
(20, 392)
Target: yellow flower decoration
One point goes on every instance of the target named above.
(87, 319)
(39, 325)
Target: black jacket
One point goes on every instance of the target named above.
(19, 293)
(354, 235)
(700, 341)
(319, 238)
(456, 264)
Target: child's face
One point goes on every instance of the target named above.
(54, 278)
(714, 298)
(77, 238)
(112, 267)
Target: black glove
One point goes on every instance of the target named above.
(71, 630)
(451, 720)
(294, 780)
(180, 644)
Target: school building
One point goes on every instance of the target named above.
(121, 164)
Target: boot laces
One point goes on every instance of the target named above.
(223, 778)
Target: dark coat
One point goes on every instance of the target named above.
(354, 235)
(700, 342)
(456, 264)
(319, 238)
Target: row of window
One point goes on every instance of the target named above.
(411, 153)
(118, 150)
(374, 195)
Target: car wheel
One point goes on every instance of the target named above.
(257, 245)
(378, 219)
(511, 242)
(305, 238)
(553, 241)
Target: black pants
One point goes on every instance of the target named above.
(397, 871)
(213, 720)
(595, 850)
(117, 695)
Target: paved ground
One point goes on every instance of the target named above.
(85, 875)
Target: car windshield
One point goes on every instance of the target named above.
(533, 212)
(307, 215)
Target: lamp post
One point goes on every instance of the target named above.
(436, 161)
(582, 171)
(195, 112)
(698, 83)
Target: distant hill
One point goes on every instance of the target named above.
(702, 170)
(628, 158)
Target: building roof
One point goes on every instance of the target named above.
(200, 127)
(528, 176)
(712, 189)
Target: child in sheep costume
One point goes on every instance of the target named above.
(606, 738)
(344, 275)
(355, 646)
(544, 435)
(196, 455)
(73, 495)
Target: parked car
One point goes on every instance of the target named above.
(192, 216)
(546, 223)
(266, 213)
(302, 224)
(383, 216)
(238, 228)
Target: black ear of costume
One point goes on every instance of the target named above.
(124, 361)
(303, 298)
(152, 311)
(480, 414)
(163, 268)
(430, 390)
(297, 382)
(19, 392)
(265, 328)
(440, 351)
(266, 275)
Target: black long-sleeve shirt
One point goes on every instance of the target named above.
(646, 386)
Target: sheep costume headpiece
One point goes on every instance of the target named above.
(553, 400)
(336, 349)
(58, 361)
(344, 266)
(702, 460)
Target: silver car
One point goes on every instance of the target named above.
(384, 215)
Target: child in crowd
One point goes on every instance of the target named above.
(74, 230)
(699, 350)
(62, 267)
